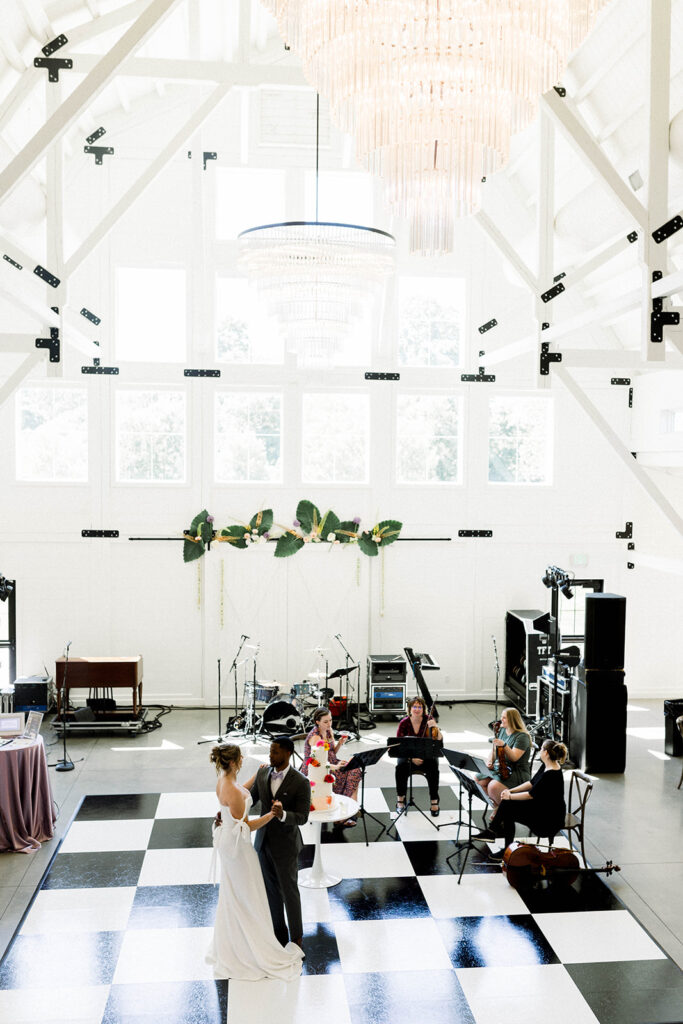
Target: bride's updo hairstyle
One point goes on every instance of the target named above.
(226, 758)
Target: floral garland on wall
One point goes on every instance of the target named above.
(309, 527)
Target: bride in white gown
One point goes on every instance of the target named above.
(244, 944)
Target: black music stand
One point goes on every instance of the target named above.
(346, 717)
(469, 763)
(363, 760)
(414, 746)
(473, 789)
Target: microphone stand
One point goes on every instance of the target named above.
(66, 764)
(349, 722)
(220, 737)
(495, 652)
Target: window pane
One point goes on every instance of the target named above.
(520, 440)
(431, 321)
(150, 436)
(52, 434)
(244, 334)
(335, 438)
(247, 197)
(428, 439)
(150, 322)
(248, 430)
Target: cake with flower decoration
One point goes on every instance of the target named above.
(320, 778)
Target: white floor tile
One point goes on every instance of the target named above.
(96, 836)
(160, 954)
(597, 936)
(396, 945)
(315, 905)
(356, 860)
(188, 805)
(79, 1005)
(477, 895)
(79, 910)
(412, 826)
(253, 1002)
(375, 802)
(176, 867)
(541, 992)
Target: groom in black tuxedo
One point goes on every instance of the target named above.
(285, 791)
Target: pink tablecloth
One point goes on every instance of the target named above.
(26, 807)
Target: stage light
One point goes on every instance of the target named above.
(547, 580)
(6, 588)
(565, 587)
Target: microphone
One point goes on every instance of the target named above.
(69, 644)
(244, 636)
(337, 636)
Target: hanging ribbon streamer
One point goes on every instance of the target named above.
(222, 597)
(381, 584)
(357, 571)
(199, 585)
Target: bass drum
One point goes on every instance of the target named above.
(282, 717)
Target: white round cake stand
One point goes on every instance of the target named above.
(316, 877)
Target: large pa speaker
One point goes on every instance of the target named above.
(597, 740)
(30, 693)
(605, 631)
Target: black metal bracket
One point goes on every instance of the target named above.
(632, 236)
(620, 380)
(46, 276)
(487, 326)
(92, 317)
(630, 546)
(99, 151)
(99, 533)
(547, 357)
(558, 277)
(626, 534)
(659, 317)
(382, 376)
(97, 134)
(630, 565)
(52, 343)
(110, 371)
(553, 292)
(560, 90)
(13, 262)
(478, 378)
(475, 533)
(54, 65)
(201, 373)
(668, 229)
(206, 155)
(54, 45)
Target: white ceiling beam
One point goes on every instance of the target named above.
(545, 229)
(607, 62)
(182, 70)
(512, 350)
(17, 94)
(600, 314)
(595, 262)
(619, 448)
(146, 178)
(505, 249)
(17, 343)
(38, 23)
(668, 285)
(616, 359)
(22, 371)
(84, 93)
(105, 22)
(23, 295)
(580, 138)
(641, 560)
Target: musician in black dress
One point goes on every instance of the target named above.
(538, 803)
(418, 723)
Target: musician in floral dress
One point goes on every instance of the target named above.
(345, 783)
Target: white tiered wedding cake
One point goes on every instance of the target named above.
(322, 796)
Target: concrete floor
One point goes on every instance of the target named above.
(633, 819)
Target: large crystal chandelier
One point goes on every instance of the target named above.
(433, 89)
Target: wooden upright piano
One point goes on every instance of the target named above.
(99, 674)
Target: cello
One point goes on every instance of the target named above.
(524, 864)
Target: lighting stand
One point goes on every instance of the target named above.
(350, 667)
(66, 764)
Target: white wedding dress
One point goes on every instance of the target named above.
(244, 944)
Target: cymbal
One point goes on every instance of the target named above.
(316, 675)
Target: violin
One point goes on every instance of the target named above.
(524, 864)
(504, 769)
(433, 730)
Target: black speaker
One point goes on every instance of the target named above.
(597, 741)
(605, 631)
(30, 694)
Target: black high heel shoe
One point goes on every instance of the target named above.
(434, 811)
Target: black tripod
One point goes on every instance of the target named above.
(473, 789)
(363, 760)
(66, 764)
(410, 747)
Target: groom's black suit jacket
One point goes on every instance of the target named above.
(282, 838)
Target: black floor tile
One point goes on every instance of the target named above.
(371, 899)
(180, 834)
(174, 906)
(395, 998)
(505, 941)
(628, 976)
(191, 1002)
(94, 870)
(51, 961)
(587, 892)
(124, 806)
(429, 857)
(320, 947)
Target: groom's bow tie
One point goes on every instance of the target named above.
(277, 775)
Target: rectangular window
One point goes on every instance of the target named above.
(431, 321)
(248, 197)
(52, 434)
(428, 439)
(520, 440)
(244, 334)
(150, 436)
(335, 438)
(248, 433)
(150, 315)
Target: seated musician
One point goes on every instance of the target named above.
(418, 723)
(346, 782)
(511, 747)
(539, 803)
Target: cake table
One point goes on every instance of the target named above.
(316, 877)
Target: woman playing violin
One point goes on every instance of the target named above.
(418, 723)
(512, 745)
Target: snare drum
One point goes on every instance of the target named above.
(266, 691)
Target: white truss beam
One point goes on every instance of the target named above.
(182, 70)
(84, 93)
(22, 88)
(17, 343)
(146, 178)
(595, 315)
(505, 249)
(619, 448)
(603, 256)
(106, 22)
(20, 374)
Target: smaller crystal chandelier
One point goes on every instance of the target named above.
(317, 278)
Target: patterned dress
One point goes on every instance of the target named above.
(345, 783)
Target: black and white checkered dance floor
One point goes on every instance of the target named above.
(118, 930)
